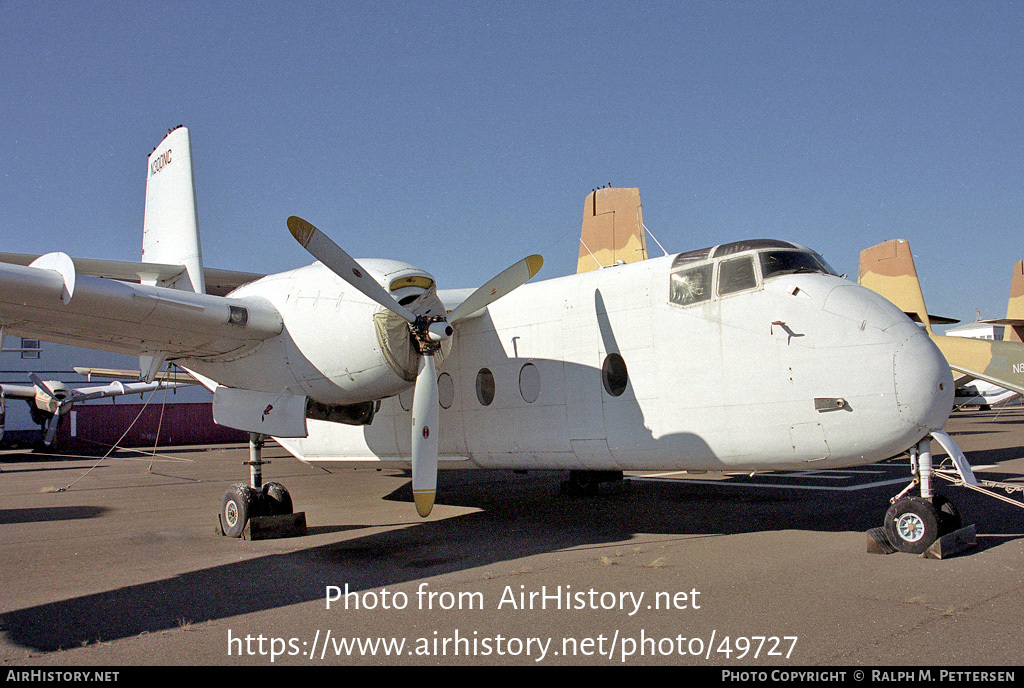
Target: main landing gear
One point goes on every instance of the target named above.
(266, 508)
(587, 483)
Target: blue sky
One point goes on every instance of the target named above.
(461, 136)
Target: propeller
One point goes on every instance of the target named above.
(428, 331)
(61, 399)
(54, 423)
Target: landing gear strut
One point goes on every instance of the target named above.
(242, 502)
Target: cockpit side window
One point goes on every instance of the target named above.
(735, 275)
(691, 285)
(788, 262)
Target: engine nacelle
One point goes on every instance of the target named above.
(47, 403)
(338, 348)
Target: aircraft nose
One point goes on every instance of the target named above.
(924, 382)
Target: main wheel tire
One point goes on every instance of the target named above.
(276, 499)
(236, 509)
(583, 483)
(912, 524)
(949, 517)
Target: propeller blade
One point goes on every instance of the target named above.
(498, 286)
(344, 266)
(51, 428)
(41, 385)
(425, 416)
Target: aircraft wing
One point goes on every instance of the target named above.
(961, 378)
(113, 389)
(995, 380)
(218, 282)
(162, 376)
(52, 301)
(18, 391)
(999, 363)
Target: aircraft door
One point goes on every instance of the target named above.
(586, 414)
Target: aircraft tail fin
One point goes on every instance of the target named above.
(888, 269)
(613, 229)
(1015, 309)
(1014, 320)
(171, 229)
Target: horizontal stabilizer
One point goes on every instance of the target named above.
(218, 282)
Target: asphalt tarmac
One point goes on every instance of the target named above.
(124, 567)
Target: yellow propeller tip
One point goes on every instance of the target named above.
(424, 500)
(534, 262)
(300, 229)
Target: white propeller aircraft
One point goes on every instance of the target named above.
(51, 400)
(347, 361)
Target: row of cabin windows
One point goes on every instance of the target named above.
(614, 378)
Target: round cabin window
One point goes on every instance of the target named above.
(445, 390)
(529, 383)
(614, 375)
(485, 386)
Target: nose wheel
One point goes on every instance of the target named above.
(914, 524)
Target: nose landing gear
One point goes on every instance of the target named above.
(929, 525)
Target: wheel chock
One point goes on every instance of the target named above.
(272, 527)
(946, 546)
(952, 544)
(878, 543)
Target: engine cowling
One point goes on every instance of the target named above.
(337, 348)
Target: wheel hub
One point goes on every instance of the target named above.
(910, 527)
(231, 514)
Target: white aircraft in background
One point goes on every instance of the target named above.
(984, 395)
(51, 400)
(605, 371)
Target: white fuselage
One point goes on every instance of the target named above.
(803, 370)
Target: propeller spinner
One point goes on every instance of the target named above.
(428, 331)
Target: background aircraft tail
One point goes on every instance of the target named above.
(888, 269)
(1015, 309)
(613, 229)
(1014, 320)
(170, 233)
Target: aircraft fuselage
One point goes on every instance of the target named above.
(614, 370)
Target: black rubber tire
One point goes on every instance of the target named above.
(949, 517)
(584, 483)
(912, 524)
(276, 499)
(236, 509)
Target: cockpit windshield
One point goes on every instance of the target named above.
(788, 262)
(702, 275)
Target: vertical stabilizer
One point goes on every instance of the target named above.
(888, 269)
(1015, 309)
(613, 229)
(170, 231)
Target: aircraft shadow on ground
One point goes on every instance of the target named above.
(519, 516)
(49, 514)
